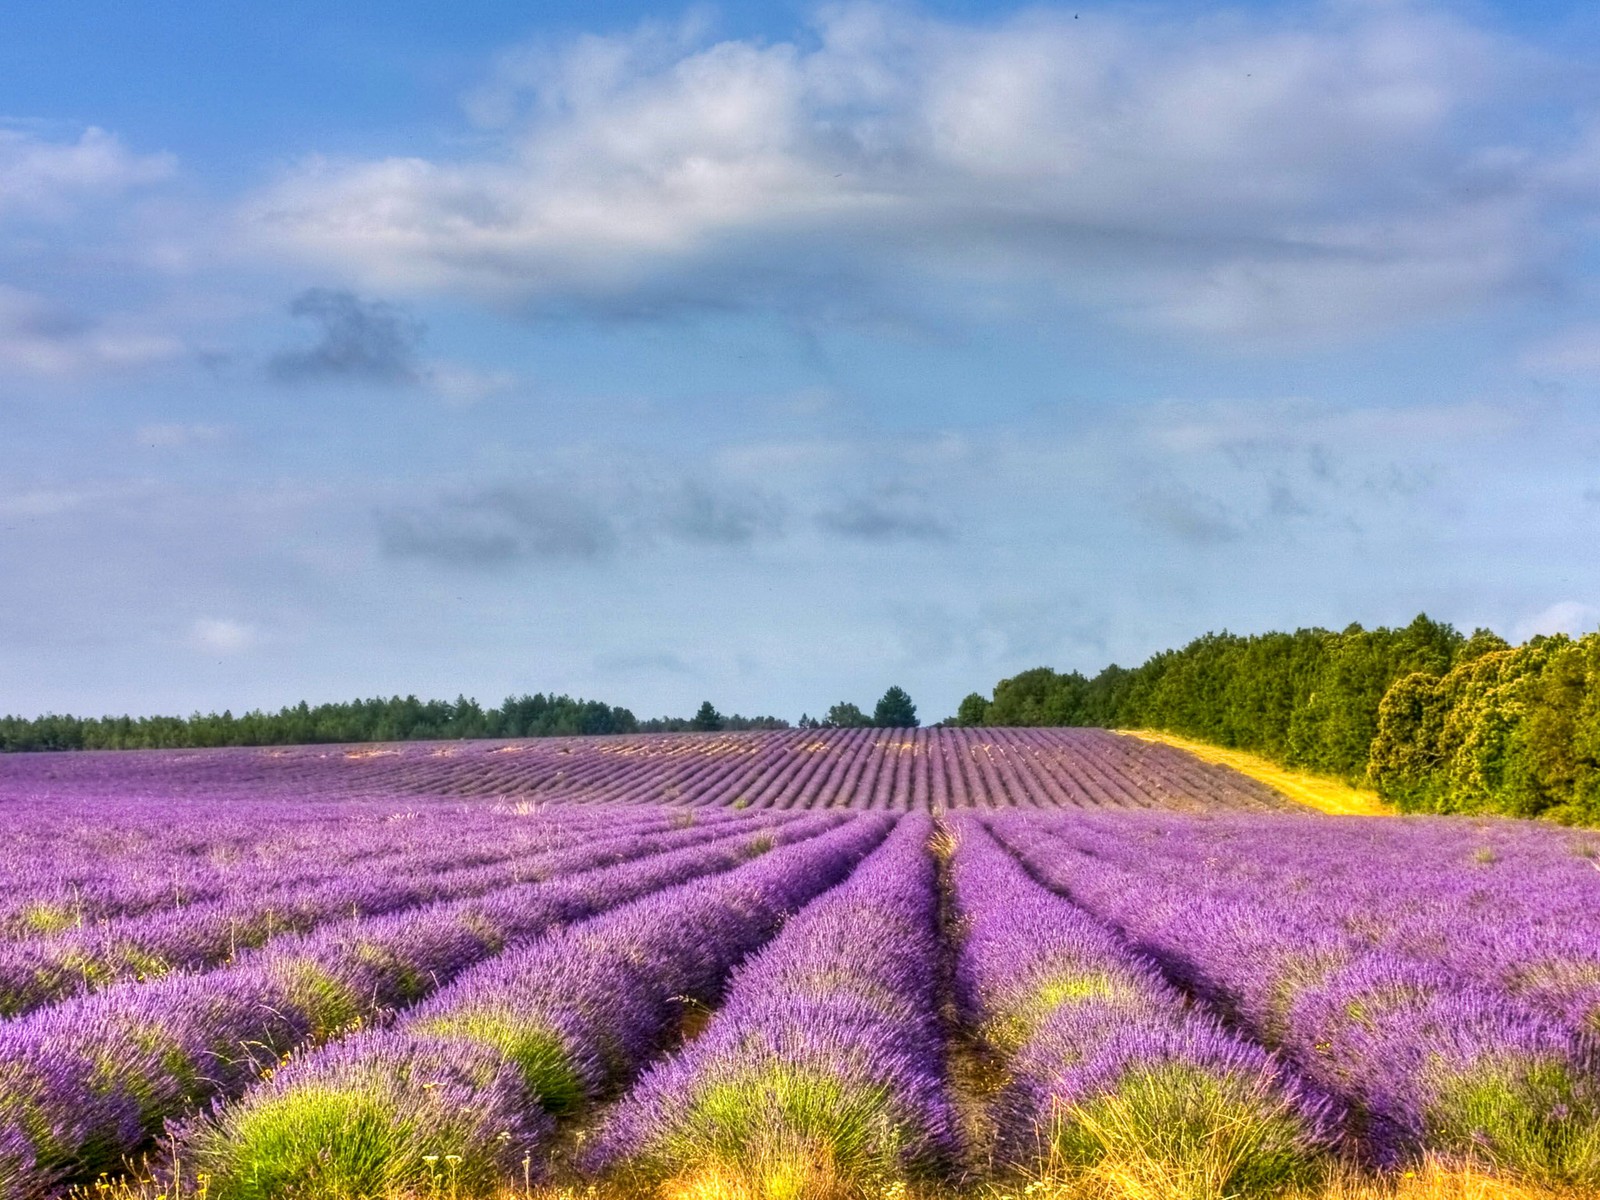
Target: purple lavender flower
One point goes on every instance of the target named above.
(827, 1055)
(567, 1018)
(1106, 1060)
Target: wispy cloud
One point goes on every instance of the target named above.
(697, 512)
(1566, 616)
(176, 435)
(498, 526)
(1189, 515)
(1574, 351)
(577, 519)
(221, 635)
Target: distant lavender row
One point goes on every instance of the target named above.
(1423, 1058)
(88, 1081)
(67, 863)
(829, 1047)
(194, 937)
(875, 769)
(533, 1034)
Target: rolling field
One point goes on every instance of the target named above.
(798, 964)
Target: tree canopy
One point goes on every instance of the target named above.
(1436, 721)
(845, 715)
(895, 710)
(707, 719)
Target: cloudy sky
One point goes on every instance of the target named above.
(774, 353)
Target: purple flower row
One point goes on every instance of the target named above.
(1081, 1021)
(829, 1046)
(888, 769)
(89, 1081)
(1505, 904)
(37, 973)
(63, 867)
(1422, 1058)
(537, 1031)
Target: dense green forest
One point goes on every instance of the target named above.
(1435, 720)
(378, 720)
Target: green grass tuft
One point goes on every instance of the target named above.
(783, 1124)
(49, 918)
(539, 1053)
(1195, 1135)
(1021, 1014)
(330, 1004)
(341, 1143)
(1534, 1119)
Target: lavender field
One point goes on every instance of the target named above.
(793, 964)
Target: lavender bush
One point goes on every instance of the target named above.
(1106, 1061)
(828, 1056)
(566, 1018)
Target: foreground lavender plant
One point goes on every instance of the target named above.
(567, 1018)
(410, 1116)
(90, 1081)
(1106, 1061)
(1425, 1059)
(827, 1057)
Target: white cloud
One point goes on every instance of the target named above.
(221, 635)
(43, 339)
(38, 177)
(1275, 178)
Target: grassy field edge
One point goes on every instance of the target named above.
(1314, 791)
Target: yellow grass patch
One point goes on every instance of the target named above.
(1314, 791)
(1431, 1181)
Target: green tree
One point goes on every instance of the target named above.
(895, 710)
(707, 719)
(845, 715)
(973, 710)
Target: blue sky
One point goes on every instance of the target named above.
(775, 353)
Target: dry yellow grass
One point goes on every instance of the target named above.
(1314, 791)
(1431, 1181)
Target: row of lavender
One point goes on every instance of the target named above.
(90, 1081)
(875, 769)
(1172, 996)
(263, 900)
(1434, 979)
(68, 865)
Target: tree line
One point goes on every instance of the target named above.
(1435, 720)
(406, 718)
(392, 719)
